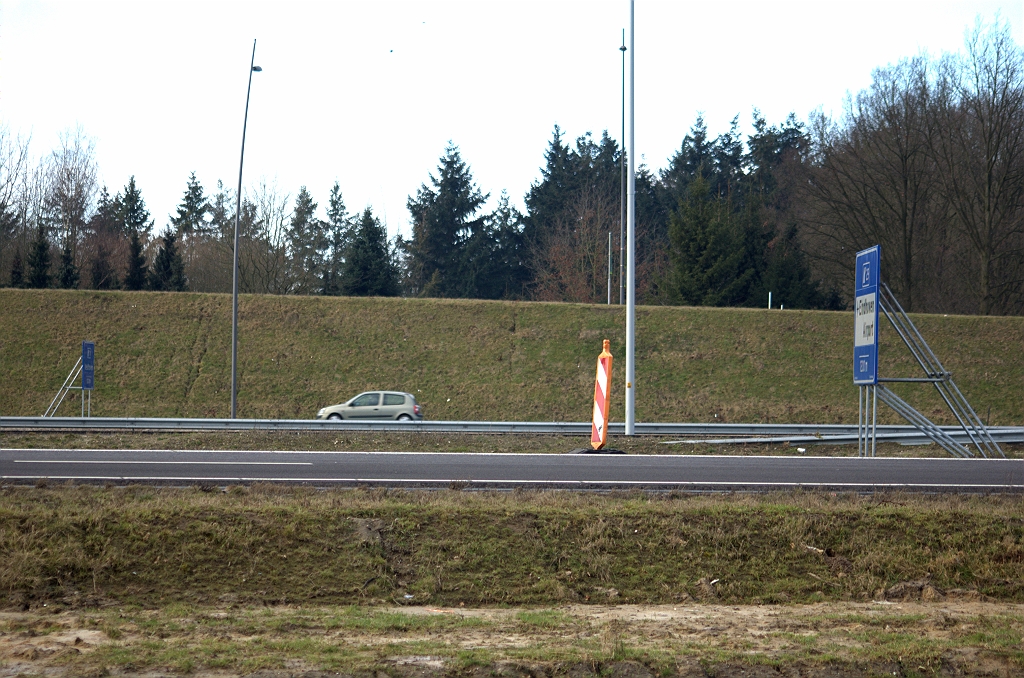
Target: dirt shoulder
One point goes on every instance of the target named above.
(627, 641)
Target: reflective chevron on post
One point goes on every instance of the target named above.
(602, 396)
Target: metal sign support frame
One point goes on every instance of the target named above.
(935, 374)
(83, 368)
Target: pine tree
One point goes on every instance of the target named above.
(547, 198)
(67, 276)
(339, 227)
(17, 270)
(308, 244)
(370, 268)
(39, 261)
(133, 214)
(443, 216)
(222, 214)
(694, 158)
(191, 218)
(135, 278)
(510, 272)
(168, 272)
(711, 266)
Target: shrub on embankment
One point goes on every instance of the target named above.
(168, 354)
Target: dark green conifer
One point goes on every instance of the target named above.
(168, 271)
(135, 278)
(39, 261)
(370, 268)
(68, 276)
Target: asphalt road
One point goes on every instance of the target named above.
(500, 471)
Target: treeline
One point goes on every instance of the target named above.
(928, 162)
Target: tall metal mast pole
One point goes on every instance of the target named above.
(622, 194)
(234, 268)
(631, 234)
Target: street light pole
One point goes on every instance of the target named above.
(631, 235)
(238, 216)
(622, 165)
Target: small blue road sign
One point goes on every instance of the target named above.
(865, 309)
(88, 365)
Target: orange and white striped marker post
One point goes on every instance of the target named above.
(602, 397)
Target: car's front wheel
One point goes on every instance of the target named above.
(404, 417)
(335, 416)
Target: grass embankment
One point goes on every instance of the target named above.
(268, 545)
(164, 354)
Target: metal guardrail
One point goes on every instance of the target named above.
(696, 433)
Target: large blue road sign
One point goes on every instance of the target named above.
(88, 365)
(865, 308)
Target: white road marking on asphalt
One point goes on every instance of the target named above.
(114, 461)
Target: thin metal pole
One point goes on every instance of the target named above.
(860, 421)
(622, 194)
(874, 420)
(609, 268)
(631, 235)
(234, 268)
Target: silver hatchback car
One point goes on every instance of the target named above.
(376, 405)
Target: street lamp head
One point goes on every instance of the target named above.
(257, 69)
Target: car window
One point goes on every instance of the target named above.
(394, 399)
(366, 400)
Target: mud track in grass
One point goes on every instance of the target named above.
(948, 638)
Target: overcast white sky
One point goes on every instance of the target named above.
(369, 93)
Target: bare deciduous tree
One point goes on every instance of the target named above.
(979, 147)
(875, 182)
(263, 246)
(72, 185)
(571, 263)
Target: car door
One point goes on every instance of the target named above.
(364, 406)
(393, 404)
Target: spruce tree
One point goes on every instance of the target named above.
(308, 244)
(370, 268)
(222, 214)
(39, 261)
(443, 216)
(133, 214)
(711, 266)
(339, 227)
(191, 217)
(68, 276)
(135, 278)
(17, 270)
(168, 272)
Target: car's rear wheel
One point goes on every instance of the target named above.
(404, 417)
(335, 416)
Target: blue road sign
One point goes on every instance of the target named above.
(88, 365)
(865, 309)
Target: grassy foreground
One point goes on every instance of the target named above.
(161, 354)
(221, 582)
(693, 641)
